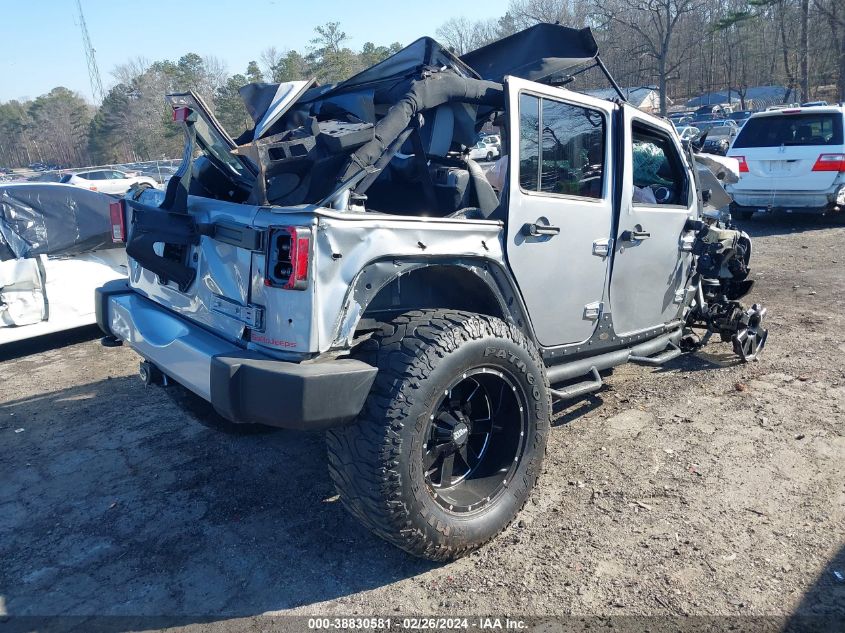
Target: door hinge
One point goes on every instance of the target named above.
(601, 248)
(592, 311)
(680, 295)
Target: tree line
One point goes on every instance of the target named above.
(133, 122)
(691, 47)
(684, 47)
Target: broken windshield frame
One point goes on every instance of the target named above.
(213, 140)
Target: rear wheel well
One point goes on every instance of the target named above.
(433, 287)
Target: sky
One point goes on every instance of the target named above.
(41, 46)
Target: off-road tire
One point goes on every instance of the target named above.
(489, 156)
(376, 462)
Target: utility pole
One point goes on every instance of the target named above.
(93, 71)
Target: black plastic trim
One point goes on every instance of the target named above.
(239, 235)
(101, 299)
(250, 388)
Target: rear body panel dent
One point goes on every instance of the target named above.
(343, 249)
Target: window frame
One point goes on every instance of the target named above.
(654, 130)
(605, 193)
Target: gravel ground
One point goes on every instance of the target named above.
(702, 487)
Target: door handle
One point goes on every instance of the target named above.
(536, 230)
(636, 235)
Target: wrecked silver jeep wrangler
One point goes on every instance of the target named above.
(344, 266)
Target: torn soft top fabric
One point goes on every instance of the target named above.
(535, 53)
(427, 92)
(52, 219)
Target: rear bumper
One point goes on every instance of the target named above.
(785, 210)
(815, 202)
(242, 385)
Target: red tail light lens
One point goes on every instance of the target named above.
(743, 166)
(182, 114)
(117, 212)
(830, 162)
(288, 257)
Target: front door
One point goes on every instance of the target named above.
(560, 204)
(650, 271)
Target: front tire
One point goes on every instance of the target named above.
(452, 436)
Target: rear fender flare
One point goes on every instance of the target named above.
(486, 275)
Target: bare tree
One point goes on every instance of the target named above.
(456, 33)
(270, 59)
(654, 23)
(124, 73)
(833, 12)
(805, 50)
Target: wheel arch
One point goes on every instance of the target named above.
(387, 287)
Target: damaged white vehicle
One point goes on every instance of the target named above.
(55, 249)
(344, 266)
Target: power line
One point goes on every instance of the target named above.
(93, 71)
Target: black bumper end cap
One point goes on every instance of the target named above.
(101, 298)
(249, 388)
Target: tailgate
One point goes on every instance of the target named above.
(207, 281)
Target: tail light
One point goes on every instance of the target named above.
(117, 212)
(182, 114)
(830, 162)
(288, 257)
(743, 166)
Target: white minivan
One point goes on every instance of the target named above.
(790, 161)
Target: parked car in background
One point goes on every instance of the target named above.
(716, 110)
(46, 176)
(161, 174)
(706, 126)
(688, 132)
(740, 117)
(56, 247)
(718, 139)
(109, 181)
(484, 150)
(792, 161)
(493, 139)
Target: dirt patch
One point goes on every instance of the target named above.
(702, 487)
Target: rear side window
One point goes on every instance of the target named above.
(823, 128)
(561, 148)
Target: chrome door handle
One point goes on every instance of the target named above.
(637, 235)
(536, 230)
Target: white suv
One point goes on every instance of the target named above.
(792, 161)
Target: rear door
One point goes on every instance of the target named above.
(559, 207)
(650, 271)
